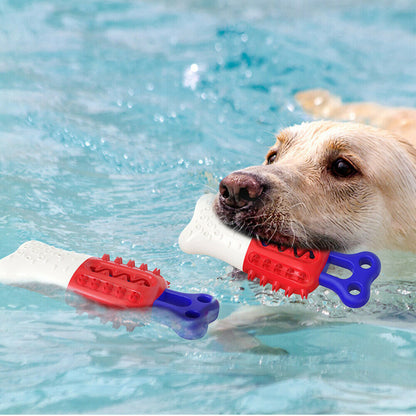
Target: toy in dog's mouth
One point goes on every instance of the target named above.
(255, 224)
(266, 224)
(248, 204)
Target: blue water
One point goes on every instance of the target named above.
(115, 116)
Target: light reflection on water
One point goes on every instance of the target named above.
(114, 118)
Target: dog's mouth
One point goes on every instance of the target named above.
(244, 203)
(273, 227)
(255, 224)
(249, 204)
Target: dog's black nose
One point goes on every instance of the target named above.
(240, 189)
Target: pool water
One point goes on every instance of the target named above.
(115, 116)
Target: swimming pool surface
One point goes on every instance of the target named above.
(115, 116)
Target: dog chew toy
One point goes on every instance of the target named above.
(110, 283)
(293, 270)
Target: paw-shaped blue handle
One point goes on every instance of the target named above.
(355, 290)
(188, 314)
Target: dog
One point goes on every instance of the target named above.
(341, 184)
(331, 185)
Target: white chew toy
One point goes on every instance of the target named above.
(207, 235)
(110, 283)
(286, 268)
(34, 261)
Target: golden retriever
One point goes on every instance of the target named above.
(331, 185)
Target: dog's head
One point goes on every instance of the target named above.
(324, 185)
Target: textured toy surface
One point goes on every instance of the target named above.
(283, 268)
(113, 283)
(110, 283)
(294, 271)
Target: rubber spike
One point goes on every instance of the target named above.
(263, 281)
(289, 291)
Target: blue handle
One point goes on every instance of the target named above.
(355, 290)
(195, 312)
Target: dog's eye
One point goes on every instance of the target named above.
(342, 168)
(271, 158)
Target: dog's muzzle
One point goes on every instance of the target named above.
(240, 190)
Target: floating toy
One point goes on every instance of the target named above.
(294, 271)
(110, 283)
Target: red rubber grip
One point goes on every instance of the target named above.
(284, 268)
(113, 283)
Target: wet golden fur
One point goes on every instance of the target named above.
(321, 104)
